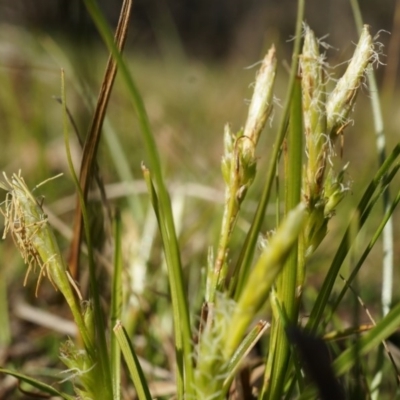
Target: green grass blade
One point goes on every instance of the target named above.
(101, 346)
(78, 319)
(363, 346)
(286, 285)
(112, 141)
(37, 384)
(116, 309)
(294, 152)
(164, 234)
(364, 256)
(118, 155)
(326, 289)
(387, 243)
(387, 239)
(182, 329)
(137, 375)
(369, 341)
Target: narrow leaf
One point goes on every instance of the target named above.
(132, 362)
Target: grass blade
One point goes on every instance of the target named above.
(98, 313)
(93, 138)
(182, 324)
(363, 346)
(37, 384)
(326, 289)
(138, 378)
(116, 309)
(364, 256)
(286, 283)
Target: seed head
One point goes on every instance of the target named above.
(28, 225)
(342, 98)
(261, 102)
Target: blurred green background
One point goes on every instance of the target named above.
(189, 59)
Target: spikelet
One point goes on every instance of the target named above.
(239, 161)
(313, 97)
(325, 117)
(27, 223)
(341, 101)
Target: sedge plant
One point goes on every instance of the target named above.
(261, 293)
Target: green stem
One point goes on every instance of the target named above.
(286, 285)
(246, 255)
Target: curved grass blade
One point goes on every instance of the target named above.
(363, 346)
(364, 256)
(37, 384)
(326, 289)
